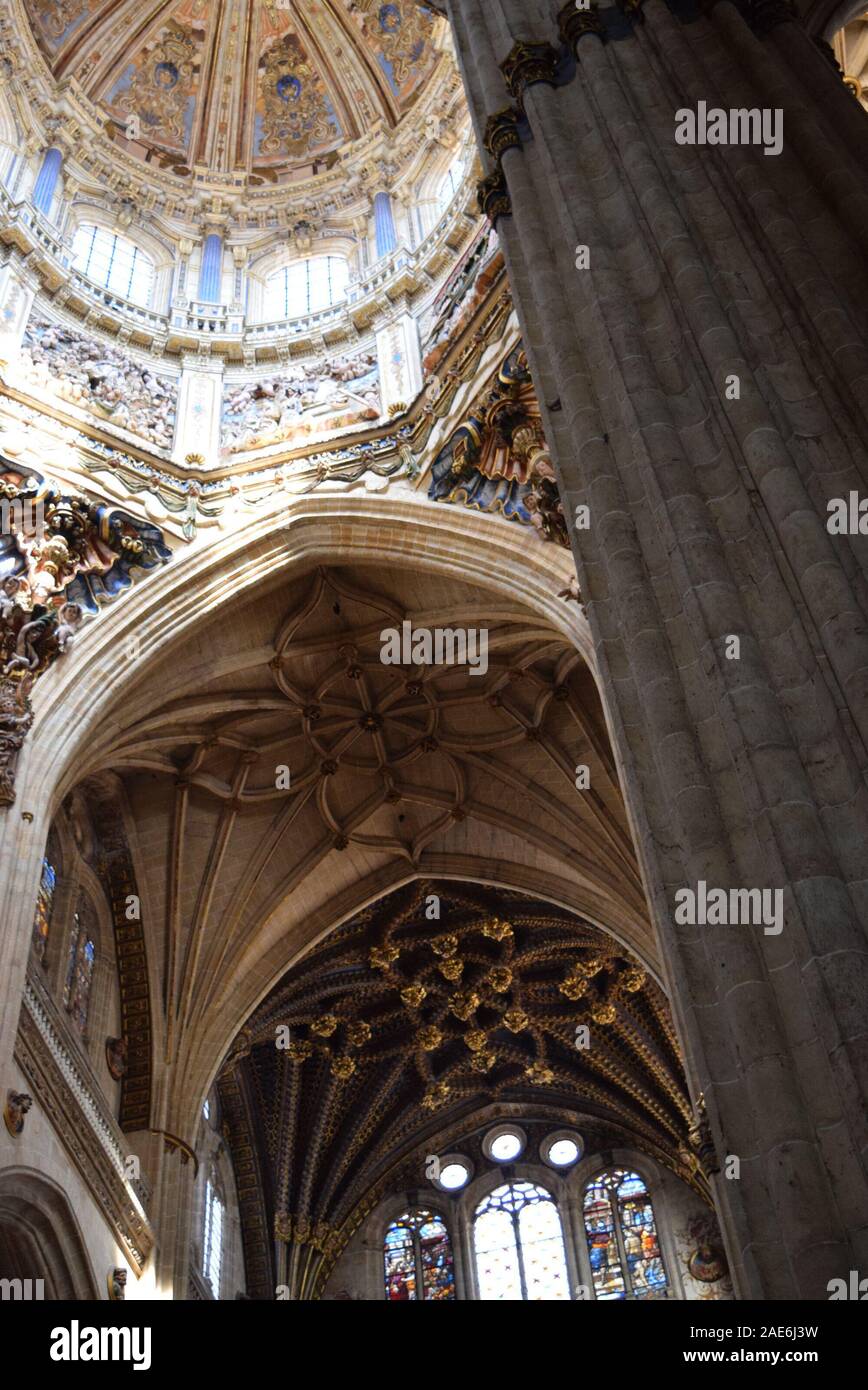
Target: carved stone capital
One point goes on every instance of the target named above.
(493, 197)
(526, 64)
(574, 24)
(501, 133)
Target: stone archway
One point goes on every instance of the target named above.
(40, 1239)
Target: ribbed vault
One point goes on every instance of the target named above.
(435, 1002)
(277, 763)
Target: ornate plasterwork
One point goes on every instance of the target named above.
(156, 91)
(241, 85)
(300, 401)
(61, 554)
(370, 1067)
(295, 116)
(101, 378)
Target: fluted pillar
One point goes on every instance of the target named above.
(702, 371)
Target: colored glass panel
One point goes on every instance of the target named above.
(417, 1258)
(542, 1247)
(497, 1264)
(44, 905)
(622, 1238)
(602, 1244)
(80, 965)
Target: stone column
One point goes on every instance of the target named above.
(694, 317)
(180, 298)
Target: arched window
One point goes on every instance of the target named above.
(417, 1254)
(113, 262)
(519, 1245)
(306, 286)
(450, 185)
(622, 1237)
(44, 905)
(212, 1244)
(80, 964)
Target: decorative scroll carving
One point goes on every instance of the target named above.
(528, 63)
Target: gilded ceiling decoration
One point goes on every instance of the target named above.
(437, 1001)
(240, 84)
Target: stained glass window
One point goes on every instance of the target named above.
(519, 1246)
(622, 1238)
(44, 904)
(80, 964)
(417, 1255)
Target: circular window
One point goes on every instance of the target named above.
(561, 1150)
(504, 1144)
(454, 1172)
(453, 1176)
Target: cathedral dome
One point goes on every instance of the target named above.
(265, 89)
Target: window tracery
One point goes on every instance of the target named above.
(519, 1246)
(212, 1244)
(45, 902)
(417, 1256)
(622, 1237)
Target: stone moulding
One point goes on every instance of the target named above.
(82, 1124)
